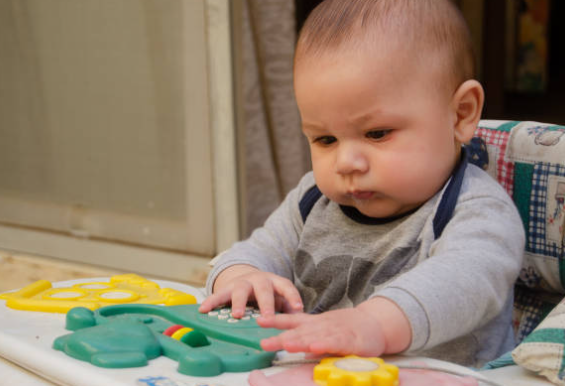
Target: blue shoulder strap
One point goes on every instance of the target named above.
(449, 198)
(308, 200)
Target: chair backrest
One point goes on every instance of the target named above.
(528, 160)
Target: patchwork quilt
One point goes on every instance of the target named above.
(528, 160)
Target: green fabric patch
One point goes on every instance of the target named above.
(546, 335)
(523, 174)
(507, 126)
(502, 361)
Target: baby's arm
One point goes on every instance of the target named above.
(240, 283)
(375, 327)
(260, 268)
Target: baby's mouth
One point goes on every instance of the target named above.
(361, 194)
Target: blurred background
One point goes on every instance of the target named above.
(147, 135)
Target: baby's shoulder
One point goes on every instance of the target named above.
(479, 184)
(307, 188)
(307, 181)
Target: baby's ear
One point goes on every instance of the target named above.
(467, 105)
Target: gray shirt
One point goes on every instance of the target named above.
(450, 265)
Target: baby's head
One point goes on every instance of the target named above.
(386, 94)
(429, 33)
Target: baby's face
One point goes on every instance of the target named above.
(381, 132)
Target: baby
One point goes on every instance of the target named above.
(394, 243)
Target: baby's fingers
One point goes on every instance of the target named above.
(239, 297)
(290, 294)
(265, 296)
(218, 299)
(283, 321)
(294, 340)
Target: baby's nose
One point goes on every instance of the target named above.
(351, 159)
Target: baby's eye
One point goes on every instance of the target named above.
(325, 140)
(378, 134)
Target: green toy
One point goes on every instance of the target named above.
(130, 335)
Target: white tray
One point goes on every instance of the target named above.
(26, 338)
(27, 358)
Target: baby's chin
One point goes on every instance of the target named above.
(374, 209)
(380, 213)
(378, 206)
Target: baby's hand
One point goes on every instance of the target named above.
(271, 292)
(340, 332)
(374, 327)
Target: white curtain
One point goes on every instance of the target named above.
(276, 154)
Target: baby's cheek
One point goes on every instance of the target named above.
(417, 183)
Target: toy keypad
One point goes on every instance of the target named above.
(203, 344)
(127, 288)
(352, 370)
(220, 324)
(224, 315)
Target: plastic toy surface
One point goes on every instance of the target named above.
(130, 335)
(355, 371)
(128, 288)
(302, 376)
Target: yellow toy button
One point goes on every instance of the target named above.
(352, 370)
(178, 334)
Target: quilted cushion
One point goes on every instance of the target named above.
(543, 350)
(528, 160)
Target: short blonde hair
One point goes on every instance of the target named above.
(426, 27)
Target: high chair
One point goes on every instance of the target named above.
(528, 160)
